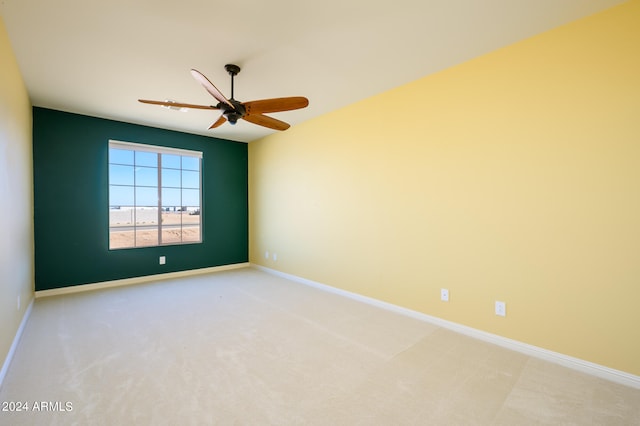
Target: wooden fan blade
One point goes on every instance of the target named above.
(263, 120)
(219, 122)
(276, 105)
(176, 104)
(213, 90)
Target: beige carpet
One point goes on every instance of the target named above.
(243, 347)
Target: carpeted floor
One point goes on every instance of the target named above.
(244, 347)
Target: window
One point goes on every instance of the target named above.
(155, 196)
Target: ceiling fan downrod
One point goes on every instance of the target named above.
(238, 109)
(233, 70)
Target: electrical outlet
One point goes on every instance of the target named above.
(163, 260)
(275, 257)
(444, 294)
(266, 254)
(501, 308)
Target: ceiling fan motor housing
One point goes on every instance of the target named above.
(233, 117)
(233, 114)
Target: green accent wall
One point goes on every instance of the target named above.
(71, 213)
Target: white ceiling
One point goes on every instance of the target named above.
(98, 57)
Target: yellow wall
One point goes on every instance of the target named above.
(16, 197)
(514, 177)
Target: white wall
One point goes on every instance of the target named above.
(16, 197)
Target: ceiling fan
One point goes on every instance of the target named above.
(233, 110)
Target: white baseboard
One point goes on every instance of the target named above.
(591, 368)
(16, 340)
(137, 280)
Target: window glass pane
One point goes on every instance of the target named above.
(146, 216)
(171, 216)
(191, 234)
(190, 179)
(171, 234)
(121, 216)
(120, 175)
(147, 176)
(191, 215)
(120, 156)
(146, 236)
(191, 197)
(119, 238)
(171, 197)
(190, 163)
(191, 224)
(146, 196)
(170, 177)
(146, 159)
(121, 196)
(171, 161)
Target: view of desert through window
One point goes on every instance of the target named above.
(177, 227)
